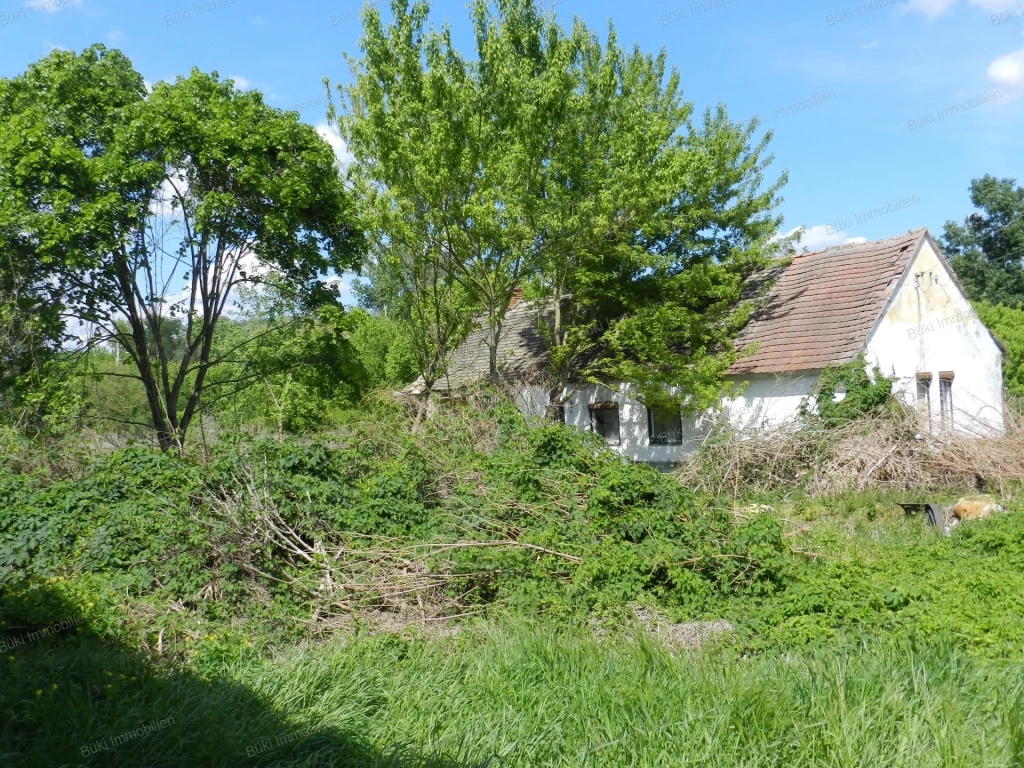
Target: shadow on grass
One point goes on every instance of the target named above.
(68, 698)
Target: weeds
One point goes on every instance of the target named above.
(423, 524)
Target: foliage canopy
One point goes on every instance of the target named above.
(131, 210)
(569, 167)
(987, 248)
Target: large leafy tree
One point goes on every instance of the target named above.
(650, 224)
(1007, 325)
(987, 248)
(145, 209)
(450, 155)
(30, 333)
(571, 167)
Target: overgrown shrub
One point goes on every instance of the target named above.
(844, 393)
(472, 511)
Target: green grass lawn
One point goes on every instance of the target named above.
(520, 695)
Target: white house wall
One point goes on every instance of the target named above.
(769, 401)
(765, 402)
(634, 439)
(929, 327)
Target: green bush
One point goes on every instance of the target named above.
(863, 393)
(543, 519)
(1007, 325)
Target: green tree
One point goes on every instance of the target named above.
(570, 167)
(385, 349)
(29, 347)
(650, 223)
(450, 154)
(302, 364)
(410, 284)
(987, 249)
(1007, 325)
(144, 208)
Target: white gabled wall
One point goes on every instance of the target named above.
(929, 327)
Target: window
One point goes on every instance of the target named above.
(556, 413)
(946, 398)
(924, 396)
(604, 420)
(664, 426)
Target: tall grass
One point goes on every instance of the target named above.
(541, 698)
(524, 696)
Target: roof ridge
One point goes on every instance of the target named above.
(917, 234)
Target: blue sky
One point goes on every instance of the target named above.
(861, 96)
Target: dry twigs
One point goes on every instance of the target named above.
(889, 452)
(352, 574)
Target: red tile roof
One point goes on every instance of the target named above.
(824, 305)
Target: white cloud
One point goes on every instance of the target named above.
(163, 204)
(115, 36)
(822, 236)
(330, 134)
(869, 46)
(240, 82)
(1008, 70)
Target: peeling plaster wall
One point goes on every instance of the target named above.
(929, 327)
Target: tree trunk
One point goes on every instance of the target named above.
(492, 344)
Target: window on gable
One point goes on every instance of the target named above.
(924, 396)
(604, 420)
(946, 398)
(664, 426)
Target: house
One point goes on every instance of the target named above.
(896, 302)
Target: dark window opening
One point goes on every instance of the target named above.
(946, 398)
(556, 413)
(604, 420)
(664, 426)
